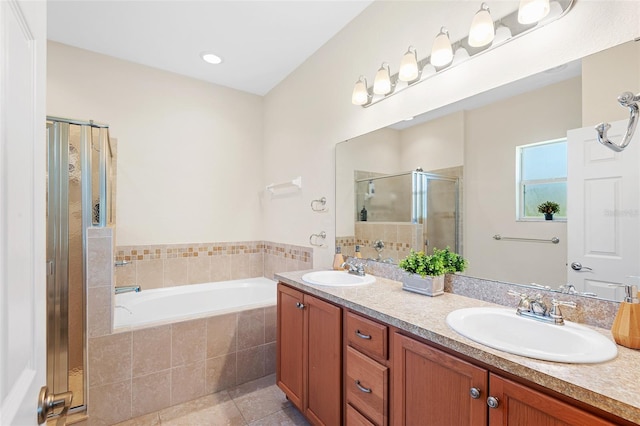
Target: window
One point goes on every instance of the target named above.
(541, 176)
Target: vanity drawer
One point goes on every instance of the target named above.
(354, 418)
(367, 336)
(367, 386)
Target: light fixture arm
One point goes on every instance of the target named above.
(629, 100)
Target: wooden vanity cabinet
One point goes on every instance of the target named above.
(432, 387)
(309, 355)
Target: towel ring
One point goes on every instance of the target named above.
(322, 201)
(627, 99)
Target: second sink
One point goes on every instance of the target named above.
(503, 329)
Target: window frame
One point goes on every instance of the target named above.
(521, 183)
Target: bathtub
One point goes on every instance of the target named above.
(173, 304)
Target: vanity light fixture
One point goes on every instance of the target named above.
(360, 94)
(409, 70)
(484, 35)
(211, 58)
(532, 11)
(482, 29)
(382, 83)
(441, 51)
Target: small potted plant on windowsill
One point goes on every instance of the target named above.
(425, 273)
(548, 208)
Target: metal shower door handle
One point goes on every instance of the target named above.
(47, 402)
(577, 266)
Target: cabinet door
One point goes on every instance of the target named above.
(520, 405)
(432, 387)
(289, 365)
(324, 366)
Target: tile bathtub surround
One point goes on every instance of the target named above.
(156, 266)
(137, 372)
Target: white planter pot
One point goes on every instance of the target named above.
(430, 286)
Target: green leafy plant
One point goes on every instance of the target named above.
(549, 207)
(439, 263)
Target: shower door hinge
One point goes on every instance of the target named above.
(50, 268)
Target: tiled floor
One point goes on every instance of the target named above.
(255, 403)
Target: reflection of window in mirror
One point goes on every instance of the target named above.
(541, 176)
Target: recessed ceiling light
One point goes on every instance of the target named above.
(211, 58)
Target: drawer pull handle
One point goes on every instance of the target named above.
(493, 402)
(362, 388)
(475, 393)
(299, 305)
(363, 336)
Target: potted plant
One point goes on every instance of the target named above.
(425, 273)
(548, 208)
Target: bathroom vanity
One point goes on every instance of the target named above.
(378, 355)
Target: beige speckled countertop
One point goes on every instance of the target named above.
(613, 386)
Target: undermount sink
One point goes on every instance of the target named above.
(503, 329)
(336, 278)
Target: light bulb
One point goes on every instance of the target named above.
(531, 11)
(409, 66)
(360, 94)
(382, 82)
(482, 30)
(503, 33)
(441, 52)
(461, 55)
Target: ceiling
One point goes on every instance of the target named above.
(261, 42)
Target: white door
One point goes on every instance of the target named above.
(603, 200)
(22, 209)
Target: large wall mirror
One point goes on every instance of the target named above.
(471, 176)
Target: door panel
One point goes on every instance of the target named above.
(22, 209)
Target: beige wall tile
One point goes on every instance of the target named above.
(151, 393)
(221, 335)
(199, 269)
(109, 359)
(220, 373)
(269, 266)
(270, 324)
(187, 382)
(110, 403)
(149, 273)
(240, 266)
(188, 342)
(96, 232)
(250, 328)
(126, 275)
(270, 350)
(220, 268)
(99, 311)
(100, 261)
(256, 264)
(250, 364)
(151, 350)
(176, 271)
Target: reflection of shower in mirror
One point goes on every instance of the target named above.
(371, 190)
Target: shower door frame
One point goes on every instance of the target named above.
(58, 239)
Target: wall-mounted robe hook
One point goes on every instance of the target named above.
(629, 100)
(313, 239)
(319, 205)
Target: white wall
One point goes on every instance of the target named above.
(310, 111)
(190, 157)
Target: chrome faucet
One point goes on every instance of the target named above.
(128, 289)
(535, 308)
(354, 268)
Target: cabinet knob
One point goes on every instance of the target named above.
(475, 393)
(299, 305)
(493, 402)
(363, 336)
(362, 388)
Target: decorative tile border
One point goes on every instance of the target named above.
(173, 251)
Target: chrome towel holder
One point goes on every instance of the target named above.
(323, 205)
(629, 100)
(313, 239)
(554, 240)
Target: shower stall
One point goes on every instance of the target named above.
(80, 187)
(429, 201)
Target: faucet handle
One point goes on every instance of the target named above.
(555, 311)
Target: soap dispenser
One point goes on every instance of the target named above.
(338, 259)
(626, 325)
